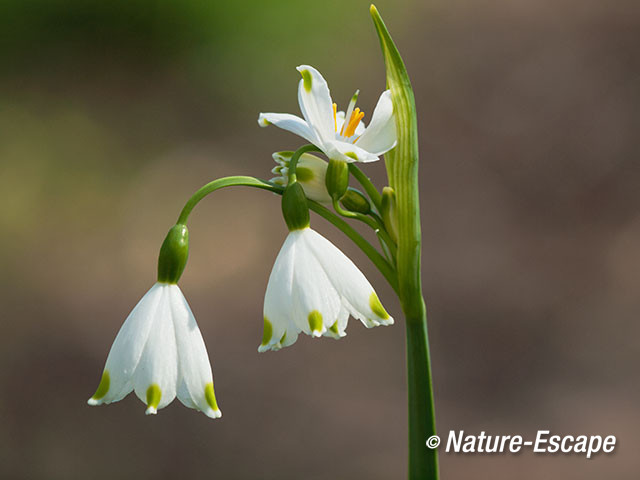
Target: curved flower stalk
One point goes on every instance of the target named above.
(159, 352)
(313, 288)
(339, 135)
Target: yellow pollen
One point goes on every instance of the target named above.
(335, 122)
(354, 121)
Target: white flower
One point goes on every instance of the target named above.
(310, 173)
(313, 288)
(325, 127)
(159, 352)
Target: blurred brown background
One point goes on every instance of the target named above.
(113, 113)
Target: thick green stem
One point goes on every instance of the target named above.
(402, 169)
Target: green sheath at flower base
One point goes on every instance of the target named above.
(173, 254)
(294, 207)
(354, 201)
(402, 170)
(337, 178)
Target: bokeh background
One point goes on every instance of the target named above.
(113, 113)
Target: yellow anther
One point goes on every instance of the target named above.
(335, 122)
(354, 121)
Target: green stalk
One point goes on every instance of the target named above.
(402, 169)
(378, 259)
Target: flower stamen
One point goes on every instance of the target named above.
(355, 119)
(335, 121)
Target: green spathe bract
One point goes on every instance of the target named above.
(402, 170)
(173, 254)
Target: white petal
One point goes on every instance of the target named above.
(356, 291)
(290, 123)
(348, 152)
(155, 378)
(195, 380)
(316, 302)
(315, 103)
(279, 298)
(380, 136)
(127, 348)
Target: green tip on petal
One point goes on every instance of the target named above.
(352, 155)
(376, 306)
(102, 390)
(334, 328)
(315, 323)
(267, 332)
(306, 80)
(154, 394)
(210, 397)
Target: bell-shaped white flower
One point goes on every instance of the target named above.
(340, 136)
(310, 172)
(160, 354)
(313, 288)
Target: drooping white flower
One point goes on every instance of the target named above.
(159, 353)
(340, 136)
(313, 288)
(310, 172)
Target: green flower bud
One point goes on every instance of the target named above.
(337, 179)
(355, 201)
(173, 254)
(294, 207)
(388, 211)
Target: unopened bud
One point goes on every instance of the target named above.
(388, 211)
(355, 201)
(337, 179)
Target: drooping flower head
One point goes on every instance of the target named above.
(313, 287)
(159, 352)
(341, 136)
(310, 172)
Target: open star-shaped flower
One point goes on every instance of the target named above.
(340, 136)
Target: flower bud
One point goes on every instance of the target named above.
(310, 173)
(337, 179)
(294, 207)
(388, 211)
(355, 201)
(173, 254)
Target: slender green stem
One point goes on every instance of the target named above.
(293, 163)
(367, 184)
(378, 260)
(221, 183)
(378, 228)
(402, 169)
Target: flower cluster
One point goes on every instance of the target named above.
(313, 288)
